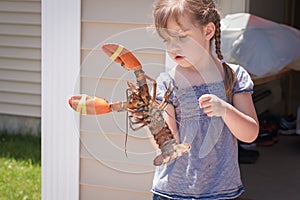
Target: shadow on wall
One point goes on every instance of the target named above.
(20, 124)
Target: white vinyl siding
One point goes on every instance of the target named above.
(105, 171)
(20, 57)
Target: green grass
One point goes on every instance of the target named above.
(20, 167)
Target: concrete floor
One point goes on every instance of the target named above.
(276, 173)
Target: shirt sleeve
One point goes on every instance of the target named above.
(243, 82)
(163, 82)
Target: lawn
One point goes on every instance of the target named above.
(20, 167)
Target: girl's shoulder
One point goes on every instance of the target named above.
(164, 76)
(165, 79)
(238, 69)
(167, 75)
(243, 81)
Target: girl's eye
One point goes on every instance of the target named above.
(166, 40)
(181, 37)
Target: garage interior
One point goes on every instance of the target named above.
(275, 174)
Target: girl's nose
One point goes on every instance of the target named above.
(172, 46)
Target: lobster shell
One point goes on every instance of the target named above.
(121, 55)
(93, 105)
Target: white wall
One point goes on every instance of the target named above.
(60, 68)
(102, 159)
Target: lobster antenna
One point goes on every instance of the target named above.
(126, 137)
(127, 122)
(170, 91)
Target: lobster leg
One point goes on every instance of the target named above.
(137, 128)
(167, 94)
(154, 87)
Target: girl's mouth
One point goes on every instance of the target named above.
(178, 57)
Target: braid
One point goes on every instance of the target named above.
(229, 76)
(218, 40)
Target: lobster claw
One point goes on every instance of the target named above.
(121, 55)
(85, 104)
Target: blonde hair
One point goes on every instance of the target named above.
(201, 12)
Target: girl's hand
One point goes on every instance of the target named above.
(212, 105)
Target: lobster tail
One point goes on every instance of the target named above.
(169, 147)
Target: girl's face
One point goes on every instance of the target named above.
(187, 44)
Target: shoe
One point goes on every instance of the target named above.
(247, 145)
(268, 130)
(287, 125)
(265, 139)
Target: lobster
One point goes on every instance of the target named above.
(143, 108)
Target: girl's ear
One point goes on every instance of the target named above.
(209, 31)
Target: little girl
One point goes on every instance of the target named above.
(210, 108)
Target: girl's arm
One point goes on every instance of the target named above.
(171, 121)
(240, 118)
